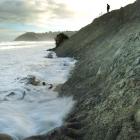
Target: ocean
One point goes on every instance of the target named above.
(27, 109)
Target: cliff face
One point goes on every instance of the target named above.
(106, 80)
(31, 36)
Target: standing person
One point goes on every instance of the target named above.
(108, 8)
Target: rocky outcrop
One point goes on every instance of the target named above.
(69, 131)
(50, 54)
(106, 79)
(31, 36)
(60, 38)
(30, 79)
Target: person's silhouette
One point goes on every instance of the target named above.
(108, 7)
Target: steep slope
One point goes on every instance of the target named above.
(106, 80)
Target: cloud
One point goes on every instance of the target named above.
(45, 15)
(32, 12)
(17, 16)
(43, 12)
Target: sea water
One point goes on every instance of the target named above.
(26, 109)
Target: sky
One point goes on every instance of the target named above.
(19, 16)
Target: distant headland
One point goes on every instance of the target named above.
(31, 36)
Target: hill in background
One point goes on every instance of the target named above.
(31, 36)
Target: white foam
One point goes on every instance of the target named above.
(40, 109)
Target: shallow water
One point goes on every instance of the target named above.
(25, 109)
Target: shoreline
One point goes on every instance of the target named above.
(105, 82)
(33, 106)
(57, 131)
(56, 88)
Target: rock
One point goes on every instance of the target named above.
(60, 38)
(50, 55)
(60, 133)
(58, 88)
(32, 80)
(50, 86)
(5, 137)
(74, 125)
(43, 83)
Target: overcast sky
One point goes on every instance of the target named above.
(19, 16)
